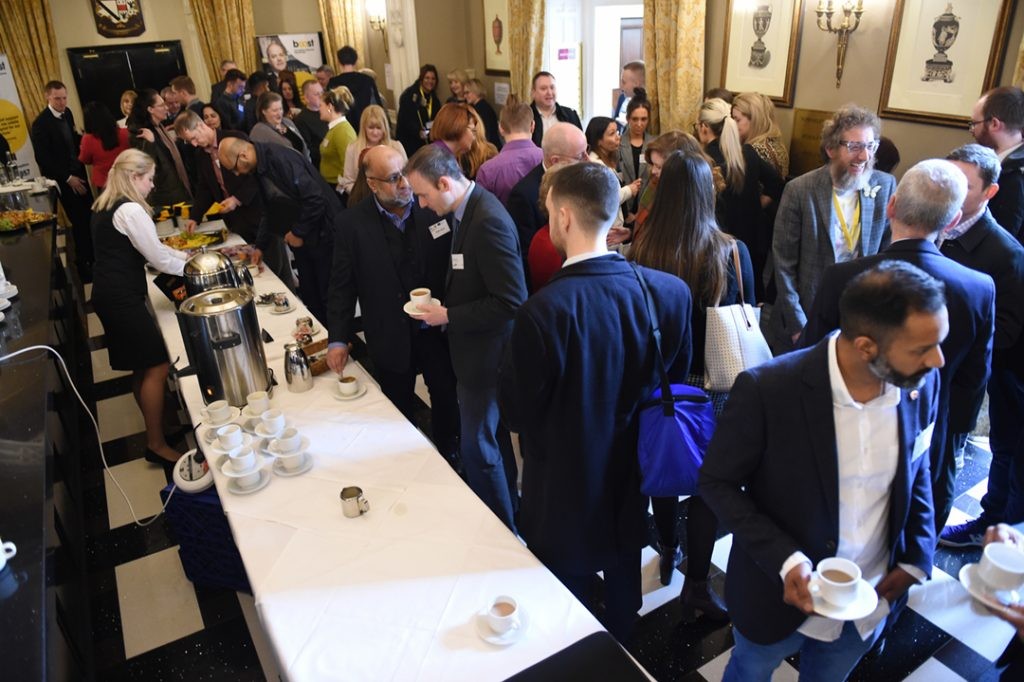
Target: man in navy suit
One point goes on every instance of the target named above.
(822, 453)
(384, 247)
(979, 243)
(580, 362)
(483, 288)
(927, 200)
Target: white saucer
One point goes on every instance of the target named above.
(236, 489)
(863, 605)
(250, 425)
(10, 292)
(218, 450)
(227, 468)
(262, 431)
(413, 311)
(355, 396)
(510, 637)
(291, 309)
(4, 304)
(306, 466)
(1, 317)
(303, 446)
(249, 414)
(997, 599)
(235, 412)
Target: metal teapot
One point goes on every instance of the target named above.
(297, 372)
(207, 270)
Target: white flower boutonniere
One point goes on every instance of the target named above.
(871, 192)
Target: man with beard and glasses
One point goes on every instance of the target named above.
(830, 215)
(824, 453)
(927, 201)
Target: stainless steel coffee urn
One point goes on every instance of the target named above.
(207, 270)
(222, 338)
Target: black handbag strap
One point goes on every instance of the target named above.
(667, 401)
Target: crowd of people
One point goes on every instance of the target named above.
(892, 308)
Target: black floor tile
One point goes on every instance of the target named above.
(97, 342)
(672, 650)
(217, 605)
(963, 660)
(127, 543)
(117, 451)
(112, 388)
(912, 641)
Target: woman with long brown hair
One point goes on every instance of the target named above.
(681, 237)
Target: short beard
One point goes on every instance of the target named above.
(848, 181)
(884, 371)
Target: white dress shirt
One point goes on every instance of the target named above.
(868, 451)
(848, 202)
(132, 221)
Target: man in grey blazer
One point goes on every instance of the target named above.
(483, 289)
(830, 215)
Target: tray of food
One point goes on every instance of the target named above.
(12, 221)
(183, 241)
(242, 254)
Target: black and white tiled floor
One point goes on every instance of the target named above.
(151, 623)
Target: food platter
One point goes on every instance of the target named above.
(13, 221)
(183, 241)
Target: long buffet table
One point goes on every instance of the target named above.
(393, 594)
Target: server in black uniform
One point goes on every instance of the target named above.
(125, 240)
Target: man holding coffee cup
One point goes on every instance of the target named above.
(386, 247)
(1010, 664)
(578, 365)
(822, 453)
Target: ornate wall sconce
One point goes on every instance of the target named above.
(377, 13)
(846, 27)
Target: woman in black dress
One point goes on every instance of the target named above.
(417, 108)
(125, 240)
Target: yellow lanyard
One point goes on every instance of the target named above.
(851, 233)
(429, 106)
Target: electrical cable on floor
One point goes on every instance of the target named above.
(96, 428)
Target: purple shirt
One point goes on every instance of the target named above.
(515, 160)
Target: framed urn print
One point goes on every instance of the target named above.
(496, 61)
(760, 55)
(942, 56)
(118, 18)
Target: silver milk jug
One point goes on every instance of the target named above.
(297, 372)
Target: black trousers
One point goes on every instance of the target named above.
(623, 594)
(78, 208)
(314, 266)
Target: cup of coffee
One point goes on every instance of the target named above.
(1001, 567)
(258, 402)
(273, 420)
(836, 581)
(348, 386)
(288, 442)
(243, 459)
(503, 615)
(229, 437)
(7, 551)
(419, 297)
(281, 303)
(217, 411)
(353, 503)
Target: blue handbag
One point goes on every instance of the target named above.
(676, 425)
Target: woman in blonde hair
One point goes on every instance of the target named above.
(373, 130)
(335, 104)
(747, 177)
(754, 114)
(125, 240)
(457, 79)
(481, 150)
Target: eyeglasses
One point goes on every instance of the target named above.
(971, 124)
(858, 147)
(392, 179)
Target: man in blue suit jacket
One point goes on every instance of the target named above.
(927, 200)
(579, 364)
(821, 453)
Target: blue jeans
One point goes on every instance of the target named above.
(1004, 501)
(825, 661)
(482, 458)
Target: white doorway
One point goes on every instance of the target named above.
(603, 26)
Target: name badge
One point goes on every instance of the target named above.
(923, 441)
(439, 229)
(458, 261)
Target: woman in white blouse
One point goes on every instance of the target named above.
(373, 130)
(125, 240)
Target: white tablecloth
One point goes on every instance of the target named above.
(394, 594)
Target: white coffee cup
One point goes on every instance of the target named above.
(1001, 566)
(273, 420)
(229, 437)
(244, 459)
(503, 614)
(836, 579)
(218, 411)
(348, 386)
(258, 402)
(288, 441)
(7, 551)
(419, 297)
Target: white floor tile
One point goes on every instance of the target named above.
(101, 370)
(957, 516)
(265, 652)
(945, 602)
(720, 555)
(95, 328)
(157, 602)
(933, 671)
(119, 417)
(87, 288)
(421, 389)
(61, 241)
(142, 483)
(715, 669)
(978, 491)
(656, 595)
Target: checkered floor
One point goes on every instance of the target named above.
(151, 623)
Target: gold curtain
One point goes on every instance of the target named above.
(26, 36)
(525, 44)
(1018, 69)
(343, 25)
(226, 31)
(674, 54)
